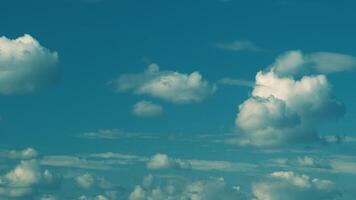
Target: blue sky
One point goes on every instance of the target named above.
(216, 99)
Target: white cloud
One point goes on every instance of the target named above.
(287, 185)
(162, 161)
(293, 63)
(25, 154)
(85, 181)
(147, 109)
(238, 45)
(285, 110)
(167, 85)
(207, 189)
(25, 65)
(137, 194)
(24, 180)
(89, 181)
(107, 134)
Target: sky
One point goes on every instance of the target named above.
(177, 100)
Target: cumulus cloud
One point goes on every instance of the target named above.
(287, 185)
(162, 161)
(24, 180)
(167, 85)
(25, 65)
(284, 109)
(147, 109)
(206, 189)
(107, 134)
(238, 45)
(295, 62)
(89, 181)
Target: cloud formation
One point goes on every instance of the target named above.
(287, 185)
(206, 189)
(25, 154)
(238, 45)
(24, 180)
(283, 109)
(25, 65)
(167, 85)
(162, 161)
(296, 63)
(146, 109)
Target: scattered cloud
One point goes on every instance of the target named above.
(167, 85)
(107, 134)
(238, 45)
(25, 154)
(24, 180)
(207, 189)
(25, 65)
(102, 161)
(146, 109)
(162, 161)
(287, 185)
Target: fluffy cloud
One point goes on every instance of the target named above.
(207, 189)
(167, 85)
(286, 185)
(162, 161)
(294, 63)
(24, 179)
(284, 109)
(25, 65)
(89, 181)
(146, 109)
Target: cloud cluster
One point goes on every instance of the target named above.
(167, 85)
(284, 109)
(25, 65)
(23, 181)
(146, 109)
(173, 188)
(25, 154)
(287, 185)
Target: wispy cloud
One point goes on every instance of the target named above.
(238, 45)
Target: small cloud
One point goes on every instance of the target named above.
(171, 86)
(162, 161)
(106, 134)
(25, 154)
(238, 45)
(146, 109)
